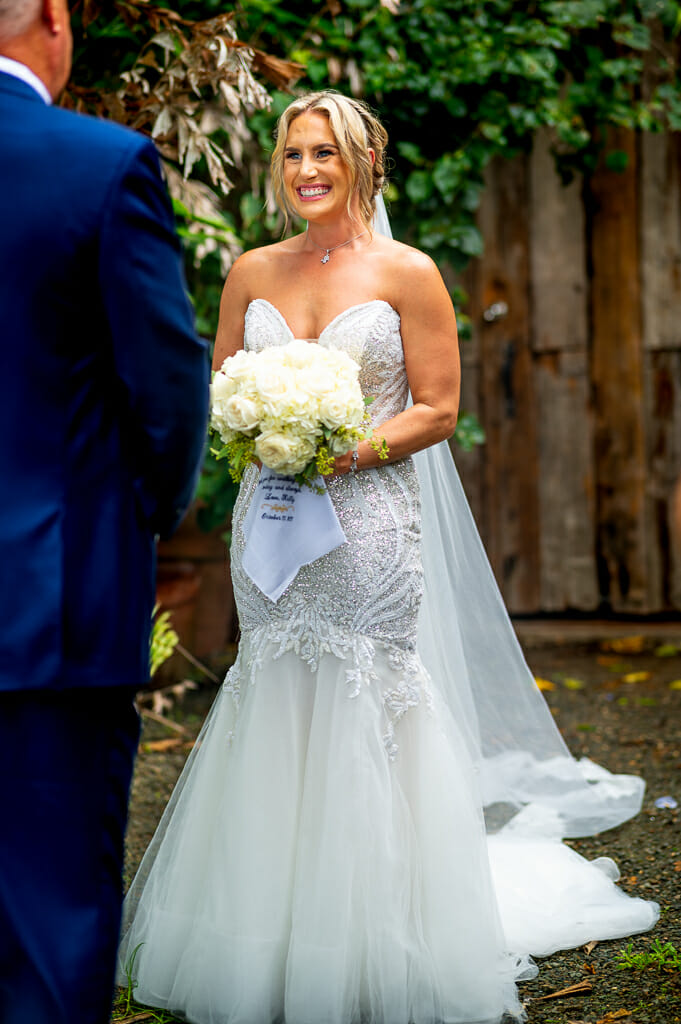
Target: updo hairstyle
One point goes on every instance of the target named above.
(356, 131)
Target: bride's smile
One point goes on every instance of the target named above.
(313, 191)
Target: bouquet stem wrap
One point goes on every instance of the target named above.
(288, 525)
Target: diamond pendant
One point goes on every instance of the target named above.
(325, 258)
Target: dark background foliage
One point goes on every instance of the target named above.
(456, 82)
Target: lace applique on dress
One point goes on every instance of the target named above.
(364, 595)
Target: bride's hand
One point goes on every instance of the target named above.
(341, 464)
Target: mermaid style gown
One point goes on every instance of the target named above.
(323, 858)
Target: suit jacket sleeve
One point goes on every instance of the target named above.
(161, 366)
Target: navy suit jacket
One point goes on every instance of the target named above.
(103, 394)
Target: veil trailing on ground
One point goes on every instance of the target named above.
(531, 785)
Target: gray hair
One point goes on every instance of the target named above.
(16, 16)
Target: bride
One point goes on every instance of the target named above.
(325, 857)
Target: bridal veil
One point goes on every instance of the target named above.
(531, 785)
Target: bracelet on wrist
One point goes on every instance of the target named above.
(353, 462)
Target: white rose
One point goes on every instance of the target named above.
(284, 453)
(300, 408)
(343, 364)
(239, 365)
(241, 413)
(299, 354)
(221, 387)
(342, 407)
(273, 383)
(315, 382)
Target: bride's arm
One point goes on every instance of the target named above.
(431, 353)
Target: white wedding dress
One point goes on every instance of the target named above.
(324, 858)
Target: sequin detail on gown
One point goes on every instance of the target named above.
(367, 592)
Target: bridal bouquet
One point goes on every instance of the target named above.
(292, 407)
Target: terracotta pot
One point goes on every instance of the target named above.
(194, 585)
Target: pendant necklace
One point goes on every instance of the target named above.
(327, 252)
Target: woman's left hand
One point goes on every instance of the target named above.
(342, 464)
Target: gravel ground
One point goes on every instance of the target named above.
(613, 703)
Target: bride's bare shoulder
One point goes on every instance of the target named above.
(407, 257)
(266, 256)
(407, 270)
(257, 269)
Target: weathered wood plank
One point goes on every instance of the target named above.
(661, 241)
(566, 484)
(617, 376)
(568, 578)
(663, 464)
(579, 386)
(557, 256)
(510, 521)
(660, 181)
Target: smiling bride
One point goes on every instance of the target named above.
(324, 858)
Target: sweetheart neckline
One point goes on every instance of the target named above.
(343, 312)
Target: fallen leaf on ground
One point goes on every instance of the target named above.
(544, 684)
(571, 990)
(589, 968)
(161, 746)
(613, 1016)
(167, 746)
(573, 684)
(636, 677)
(675, 684)
(667, 650)
(612, 661)
(624, 644)
(136, 1017)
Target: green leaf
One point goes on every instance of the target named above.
(617, 160)
(667, 650)
(411, 152)
(634, 35)
(571, 683)
(468, 239)
(419, 186)
(469, 432)
(251, 207)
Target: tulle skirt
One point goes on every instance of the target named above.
(314, 868)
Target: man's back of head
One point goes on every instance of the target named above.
(37, 33)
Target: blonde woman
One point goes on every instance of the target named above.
(324, 857)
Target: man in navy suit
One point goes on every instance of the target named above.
(103, 405)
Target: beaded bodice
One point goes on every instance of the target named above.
(366, 592)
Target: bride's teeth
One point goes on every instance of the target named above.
(313, 191)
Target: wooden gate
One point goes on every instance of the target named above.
(574, 370)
